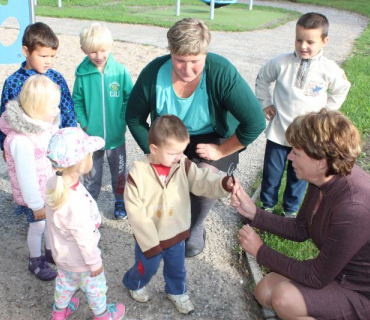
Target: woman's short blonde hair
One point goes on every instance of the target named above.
(327, 135)
(38, 94)
(188, 37)
(95, 37)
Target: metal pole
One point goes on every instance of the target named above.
(212, 10)
(32, 12)
(250, 4)
(178, 7)
(59, 3)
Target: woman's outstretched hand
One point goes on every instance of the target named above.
(242, 203)
(250, 240)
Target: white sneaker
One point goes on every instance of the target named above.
(182, 302)
(140, 295)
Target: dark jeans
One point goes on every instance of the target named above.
(273, 169)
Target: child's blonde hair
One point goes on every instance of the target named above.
(57, 197)
(38, 94)
(95, 37)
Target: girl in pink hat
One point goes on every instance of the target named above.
(73, 221)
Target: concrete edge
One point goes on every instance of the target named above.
(256, 272)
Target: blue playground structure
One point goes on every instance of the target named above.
(25, 16)
(213, 4)
(220, 3)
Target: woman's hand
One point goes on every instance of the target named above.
(39, 214)
(270, 112)
(242, 203)
(250, 240)
(97, 272)
(209, 151)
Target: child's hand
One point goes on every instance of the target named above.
(97, 272)
(39, 214)
(270, 112)
(233, 184)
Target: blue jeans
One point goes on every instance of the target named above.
(144, 269)
(273, 168)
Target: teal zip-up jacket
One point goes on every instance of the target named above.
(233, 107)
(100, 100)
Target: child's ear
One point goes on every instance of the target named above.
(325, 41)
(25, 51)
(83, 51)
(153, 148)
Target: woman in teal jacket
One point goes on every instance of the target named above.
(209, 95)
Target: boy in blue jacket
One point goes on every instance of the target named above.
(39, 46)
(100, 93)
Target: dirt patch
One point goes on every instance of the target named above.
(217, 282)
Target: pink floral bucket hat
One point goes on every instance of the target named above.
(69, 146)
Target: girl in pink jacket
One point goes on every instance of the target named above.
(73, 221)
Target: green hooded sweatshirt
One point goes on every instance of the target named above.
(100, 100)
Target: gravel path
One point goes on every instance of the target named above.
(218, 283)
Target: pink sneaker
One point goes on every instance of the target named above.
(114, 312)
(65, 313)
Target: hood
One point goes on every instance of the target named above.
(86, 67)
(15, 119)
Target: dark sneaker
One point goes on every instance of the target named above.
(65, 313)
(119, 210)
(40, 268)
(49, 256)
(192, 251)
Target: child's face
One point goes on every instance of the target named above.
(309, 42)
(169, 153)
(99, 58)
(41, 59)
(88, 164)
(50, 114)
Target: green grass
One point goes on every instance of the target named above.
(356, 107)
(163, 13)
(296, 250)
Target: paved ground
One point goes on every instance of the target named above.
(215, 280)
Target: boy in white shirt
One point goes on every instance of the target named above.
(305, 81)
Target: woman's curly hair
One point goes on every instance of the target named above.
(327, 135)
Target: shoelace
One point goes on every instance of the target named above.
(112, 308)
(72, 306)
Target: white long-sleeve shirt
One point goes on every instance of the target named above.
(298, 91)
(21, 149)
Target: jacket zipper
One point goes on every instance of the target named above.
(103, 104)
